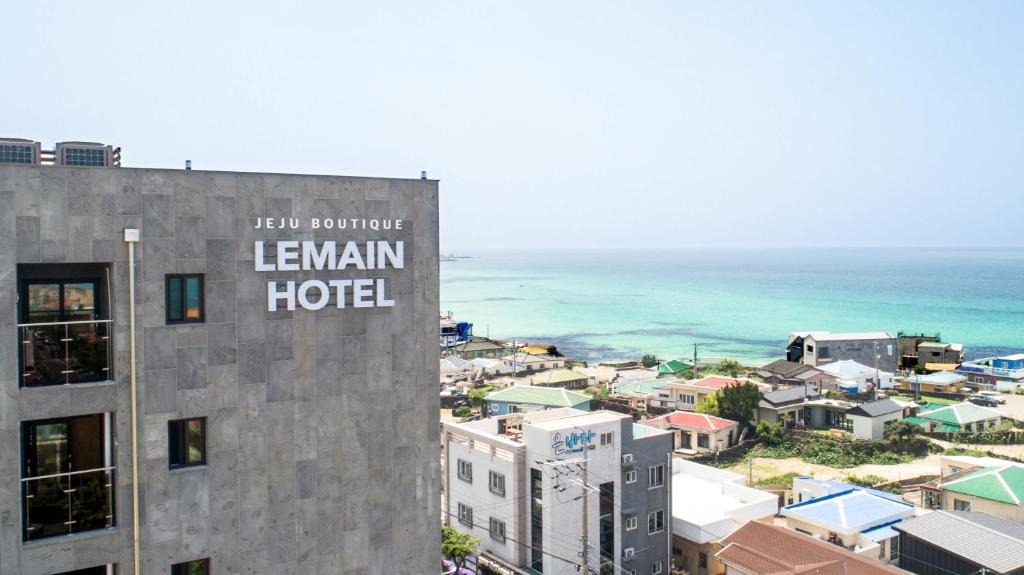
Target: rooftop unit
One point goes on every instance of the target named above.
(21, 151)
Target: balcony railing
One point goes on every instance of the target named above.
(59, 353)
(66, 503)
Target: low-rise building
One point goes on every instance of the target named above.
(673, 367)
(855, 377)
(937, 382)
(961, 543)
(524, 362)
(856, 518)
(1004, 373)
(959, 417)
(787, 373)
(520, 483)
(687, 394)
(761, 549)
(997, 490)
(821, 347)
(709, 504)
(520, 398)
(869, 419)
(698, 432)
(804, 406)
(479, 347)
(559, 377)
(939, 352)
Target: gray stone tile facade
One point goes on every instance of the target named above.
(322, 426)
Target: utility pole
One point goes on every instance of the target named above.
(878, 382)
(586, 509)
(695, 361)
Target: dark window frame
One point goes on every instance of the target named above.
(99, 295)
(185, 568)
(184, 297)
(177, 443)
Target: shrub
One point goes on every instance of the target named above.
(463, 411)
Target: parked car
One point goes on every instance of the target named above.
(983, 400)
(994, 395)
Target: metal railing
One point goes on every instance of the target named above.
(66, 503)
(57, 353)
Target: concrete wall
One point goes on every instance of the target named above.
(322, 426)
(859, 350)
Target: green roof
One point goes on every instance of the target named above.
(932, 344)
(534, 395)
(646, 386)
(960, 414)
(1005, 484)
(947, 427)
(673, 366)
(917, 421)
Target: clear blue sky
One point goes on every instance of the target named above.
(565, 124)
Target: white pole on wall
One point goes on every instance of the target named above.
(131, 237)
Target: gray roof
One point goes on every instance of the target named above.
(876, 408)
(791, 394)
(988, 541)
(782, 367)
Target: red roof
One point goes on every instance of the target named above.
(718, 381)
(692, 420)
(770, 549)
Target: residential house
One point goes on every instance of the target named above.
(1004, 373)
(856, 518)
(673, 367)
(479, 347)
(787, 373)
(642, 393)
(520, 398)
(869, 419)
(709, 504)
(821, 347)
(958, 417)
(854, 377)
(961, 543)
(687, 394)
(761, 549)
(994, 489)
(524, 362)
(698, 432)
(517, 483)
(804, 406)
(939, 352)
(560, 377)
(938, 382)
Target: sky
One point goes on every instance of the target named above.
(570, 124)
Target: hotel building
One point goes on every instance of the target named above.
(532, 486)
(197, 432)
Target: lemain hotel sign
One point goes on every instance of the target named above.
(331, 255)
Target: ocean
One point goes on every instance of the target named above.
(736, 303)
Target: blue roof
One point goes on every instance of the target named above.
(840, 486)
(881, 533)
(851, 509)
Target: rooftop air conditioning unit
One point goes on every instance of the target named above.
(627, 459)
(628, 552)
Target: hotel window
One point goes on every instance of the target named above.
(496, 482)
(186, 439)
(465, 514)
(631, 475)
(657, 568)
(15, 154)
(655, 476)
(196, 567)
(655, 522)
(85, 157)
(185, 299)
(630, 522)
(961, 505)
(824, 353)
(465, 470)
(607, 438)
(497, 529)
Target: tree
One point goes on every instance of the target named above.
(649, 361)
(456, 545)
(477, 396)
(771, 434)
(463, 411)
(709, 404)
(900, 431)
(738, 402)
(729, 367)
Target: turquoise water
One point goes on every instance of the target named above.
(738, 303)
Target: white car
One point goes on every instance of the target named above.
(994, 396)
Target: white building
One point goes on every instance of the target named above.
(516, 482)
(708, 504)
